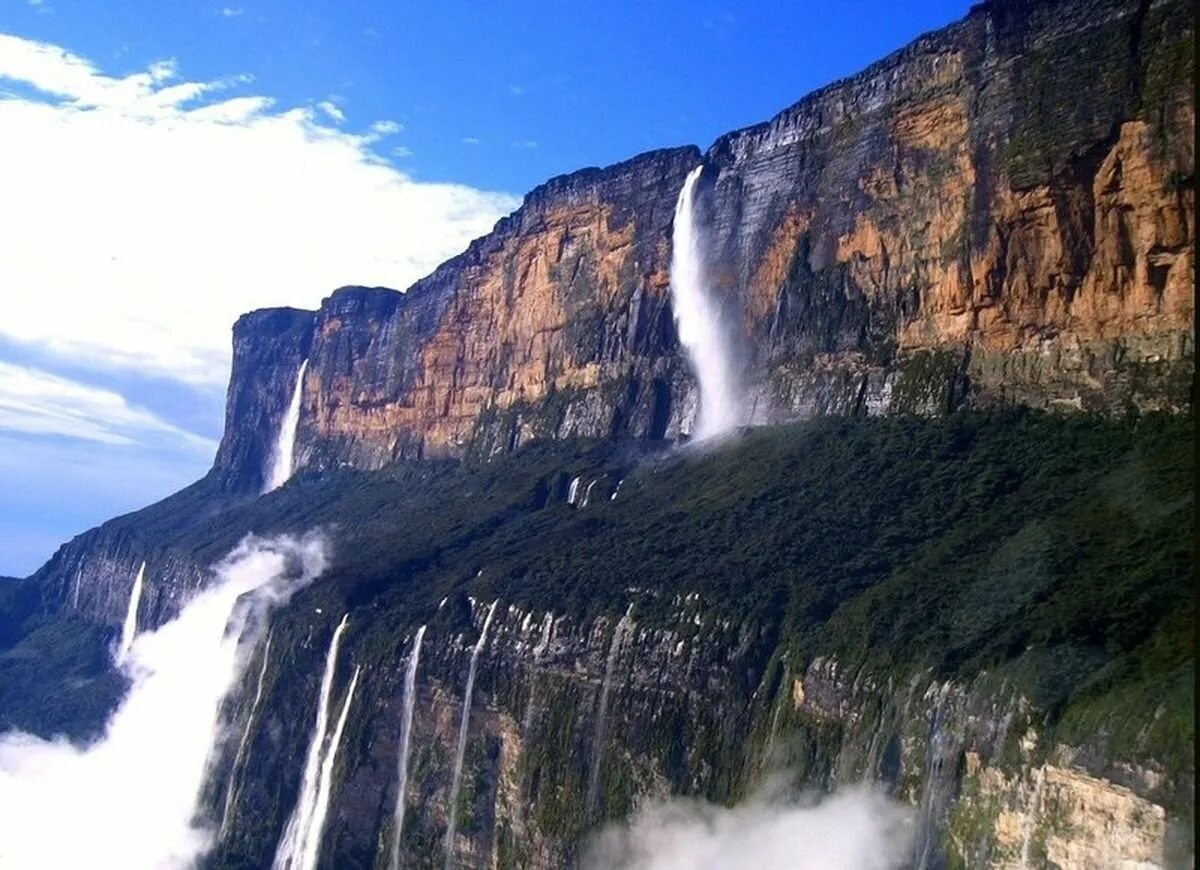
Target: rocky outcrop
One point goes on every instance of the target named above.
(1001, 212)
(694, 705)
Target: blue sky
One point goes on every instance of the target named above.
(178, 163)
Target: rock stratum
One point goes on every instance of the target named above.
(1001, 212)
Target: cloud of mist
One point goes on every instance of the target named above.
(130, 798)
(853, 829)
(156, 209)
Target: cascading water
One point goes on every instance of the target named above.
(939, 783)
(573, 490)
(544, 641)
(133, 797)
(312, 848)
(531, 709)
(129, 629)
(240, 756)
(452, 824)
(410, 694)
(284, 455)
(698, 321)
(301, 841)
(1029, 820)
(614, 649)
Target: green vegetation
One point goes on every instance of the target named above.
(1052, 553)
(55, 676)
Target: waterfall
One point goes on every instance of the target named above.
(587, 494)
(312, 849)
(698, 321)
(1029, 821)
(129, 629)
(283, 456)
(614, 648)
(301, 840)
(452, 825)
(939, 782)
(543, 643)
(573, 491)
(240, 755)
(410, 694)
(134, 797)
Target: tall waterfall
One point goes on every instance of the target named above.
(532, 707)
(240, 756)
(129, 629)
(698, 320)
(283, 457)
(410, 695)
(133, 798)
(300, 844)
(452, 825)
(614, 648)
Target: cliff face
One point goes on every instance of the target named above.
(583, 723)
(1002, 212)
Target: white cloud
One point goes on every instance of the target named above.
(131, 798)
(387, 128)
(151, 212)
(402, 151)
(231, 12)
(470, 140)
(331, 109)
(516, 90)
(34, 402)
(525, 144)
(855, 829)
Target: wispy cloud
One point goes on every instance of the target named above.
(331, 109)
(470, 140)
(402, 151)
(231, 11)
(155, 210)
(516, 90)
(387, 128)
(34, 402)
(525, 144)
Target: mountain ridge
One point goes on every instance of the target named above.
(937, 230)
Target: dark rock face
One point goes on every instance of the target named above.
(268, 348)
(999, 213)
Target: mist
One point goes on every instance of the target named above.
(856, 828)
(130, 798)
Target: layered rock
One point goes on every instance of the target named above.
(1002, 212)
(557, 715)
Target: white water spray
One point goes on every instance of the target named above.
(301, 840)
(132, 798)
(698, 321)
(284, 455)
(452, 825)
(587, 494)
(614, 649)
(410, 694)
(129, 629)
(544, 641)
(573, 491)
(240, 756)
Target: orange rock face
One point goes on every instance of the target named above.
(1000, 212)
